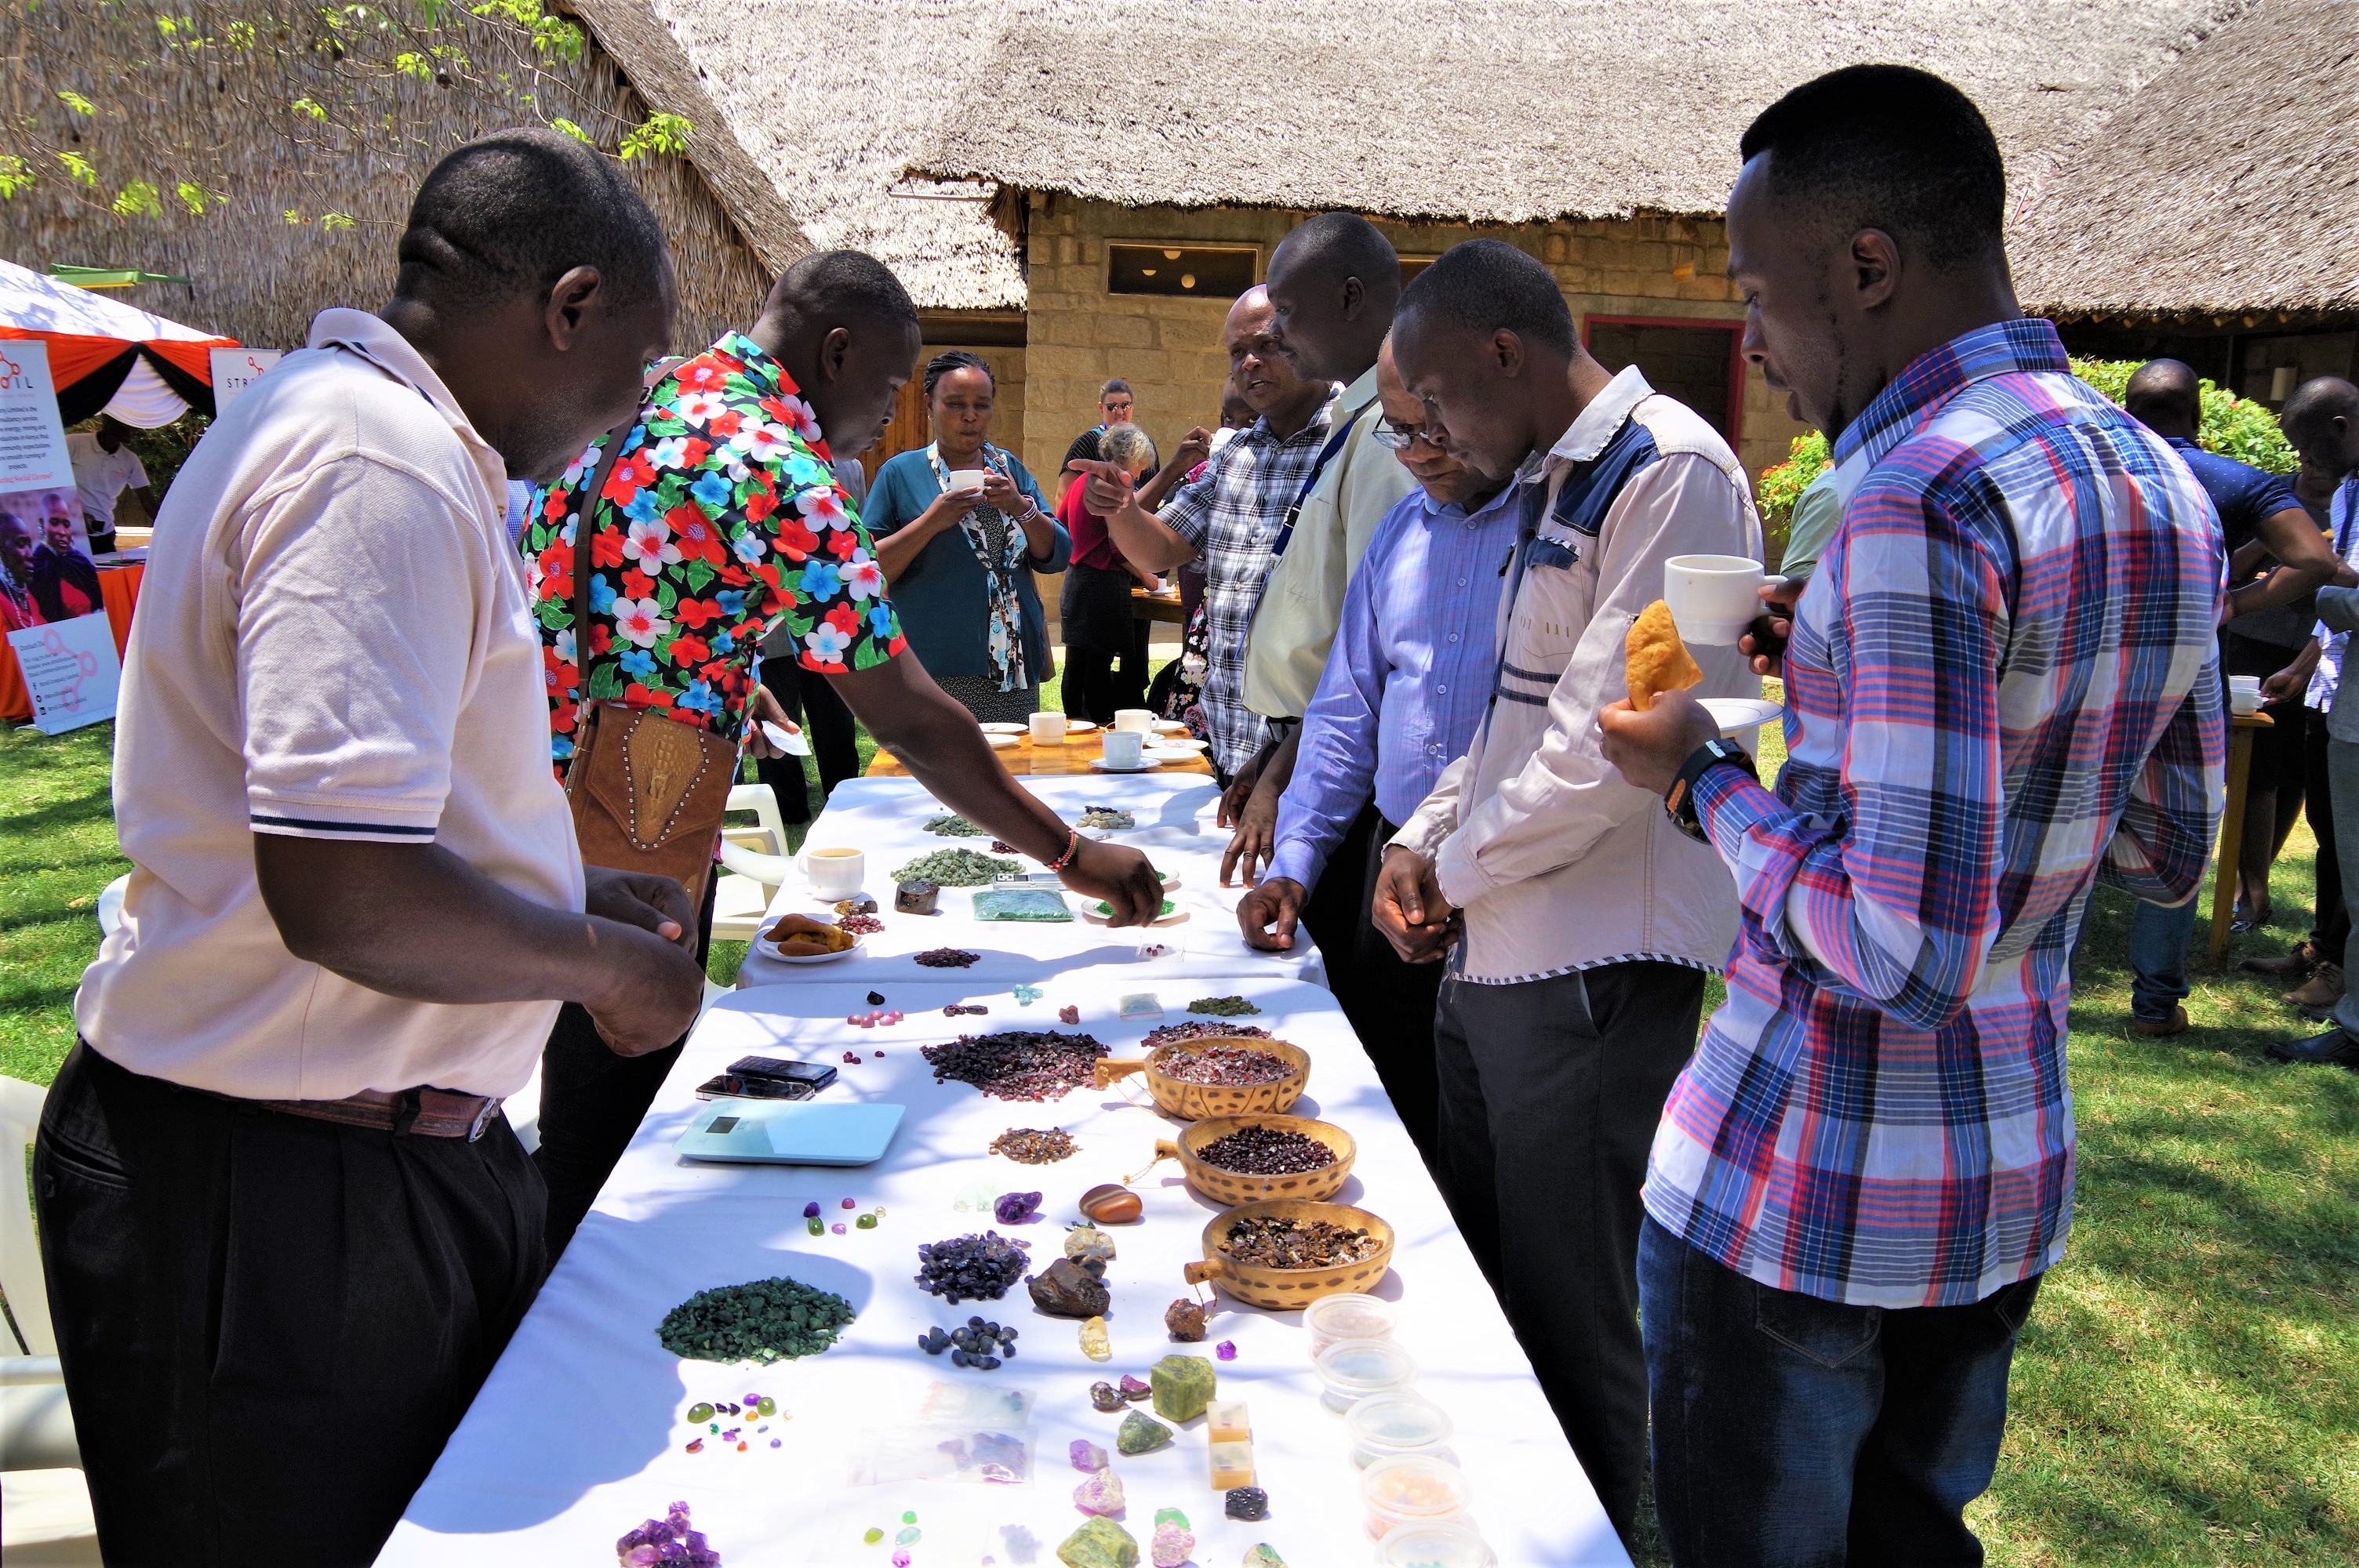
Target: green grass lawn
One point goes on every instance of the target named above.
(2188, 1389)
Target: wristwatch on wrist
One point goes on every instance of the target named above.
(1680, 802)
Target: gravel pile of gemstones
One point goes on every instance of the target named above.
(1035, 1146)
(1223, 1007)
(953, 825)
(860, 924)
(1278, 1243)
(948, 959)
(758, 1408)
(668, 1540)
(1266, 1151)
(767, 1320)
(1016, 1064)
(1230, 1065)
(1104, 818)
(969, 1266)
(956, 869)
(1171, 1031)
(973, 1343)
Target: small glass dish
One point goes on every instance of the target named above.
(1385, 1424)
(1435, 1546)
(1413, 1489)
(1348, 1315)
(1355, 1370)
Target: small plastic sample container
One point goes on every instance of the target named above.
(1435, 1546)
(1413, 1489)
(1355, 1370)
(1387, 1424)
(1349, 1316)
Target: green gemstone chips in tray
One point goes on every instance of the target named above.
(1020, 904)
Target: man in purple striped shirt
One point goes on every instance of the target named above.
(2000, 686)
(1404, 686)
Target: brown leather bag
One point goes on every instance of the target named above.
(649, 793)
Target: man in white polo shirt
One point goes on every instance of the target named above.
(287, 1230)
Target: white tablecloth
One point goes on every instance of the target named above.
(885, 820)
(579, 1435)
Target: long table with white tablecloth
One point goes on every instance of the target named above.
(580, 1432)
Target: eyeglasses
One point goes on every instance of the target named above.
(1400, 438)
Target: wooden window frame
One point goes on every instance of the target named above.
(1735, 330)
(1250, 247)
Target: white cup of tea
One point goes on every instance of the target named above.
(1124, 748)
(1714, 598)
(967, 482)
(834, 873)
(1139, 718)
(1048, 728)
(2245, 694)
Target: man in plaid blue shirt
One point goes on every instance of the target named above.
(2001, 686)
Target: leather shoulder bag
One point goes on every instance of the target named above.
(649, 793)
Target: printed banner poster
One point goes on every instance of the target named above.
(45, 571)
(71, 672)
(235, 370)
(32, 438)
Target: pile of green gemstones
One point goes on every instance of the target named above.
(764, 1320)
(956, 869)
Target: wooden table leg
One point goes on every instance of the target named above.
(2232, 832)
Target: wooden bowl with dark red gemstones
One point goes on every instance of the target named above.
(1194, 1102)
(1227, 1187)
(1291, 1290)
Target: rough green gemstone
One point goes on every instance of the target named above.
(1141, 1434)
(1263, 1555)
(1099, 1544)
(1183, 1386)
(699, 1412)
(866, 1222)
(816, 1227)
(1171, 1515)
(872, 1536)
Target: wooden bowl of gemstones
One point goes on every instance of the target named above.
(1245, 1158)
(1284, 1254)
(1217, 1075)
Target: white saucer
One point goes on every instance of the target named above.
(999, 729)
(1079, 726)
(1738, 714)
(1002, 742)
(1146, 765)
(1168, 727)
(1178, 743)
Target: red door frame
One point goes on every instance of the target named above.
(1735, 330)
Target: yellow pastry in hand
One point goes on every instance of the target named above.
(1658, 661)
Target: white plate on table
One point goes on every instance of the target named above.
(1737, 714)
(1002, 742)
(1178, 743)
(769, 949)
(1168, 727)
(1000, 729)
(1079, 726)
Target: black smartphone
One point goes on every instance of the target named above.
(767, 1077)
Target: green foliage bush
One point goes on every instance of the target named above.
(2231, 426)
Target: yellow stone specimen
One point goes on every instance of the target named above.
(1232, 1465)
(1096, 1344)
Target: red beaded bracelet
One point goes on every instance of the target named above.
(1072, 848)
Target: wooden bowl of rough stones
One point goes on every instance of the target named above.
(1244, 1186)
(1194, 1102)
(1291, 1290)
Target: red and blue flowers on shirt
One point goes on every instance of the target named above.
(721, 520)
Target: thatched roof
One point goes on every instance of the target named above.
(2228, 186)
(1494, 110)
(832, 104)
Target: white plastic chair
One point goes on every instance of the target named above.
(36, 1430)
(753, 864)
(109, 904)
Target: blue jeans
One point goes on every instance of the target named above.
(2160, 936)
(1794, 1433)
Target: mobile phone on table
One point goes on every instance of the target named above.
(767, 1077)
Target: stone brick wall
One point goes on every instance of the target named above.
(1169, 348)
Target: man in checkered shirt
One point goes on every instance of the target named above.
(2000, 686)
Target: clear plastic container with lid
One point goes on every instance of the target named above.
(1413, 1489)
(1348, 1315)
(1386, 1425)
(1435, 1546)
(1355, 1370)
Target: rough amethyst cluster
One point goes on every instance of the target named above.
(668, 1541)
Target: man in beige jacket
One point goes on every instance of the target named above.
(1578, 923)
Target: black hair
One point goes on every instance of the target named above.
(836, 287)
(1889, 148)
(1117, 384)
(2164, 389)
(511, 212)
(941, 364)
(1345, 244)
(2316, 401)
(1484, 285)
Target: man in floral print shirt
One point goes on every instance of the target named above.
(721, 522)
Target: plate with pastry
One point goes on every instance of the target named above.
(800, 939)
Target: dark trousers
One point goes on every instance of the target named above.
(269, 1324)
(2330, 925)
(591, 1102)
(813, 702)
(1796, 1433)
(1098, 681)
(1551, 1093)
(1389, 1003)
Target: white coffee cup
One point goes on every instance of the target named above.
(1048, 728)
(965, 481)
(2245, 694)
(1124, 748)
(1139, 718)
(1713, 598)
(834, 873)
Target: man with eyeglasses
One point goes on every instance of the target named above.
(1403, 691)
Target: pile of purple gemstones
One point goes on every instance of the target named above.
(668, 1541)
